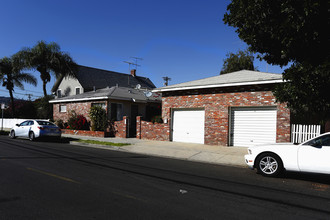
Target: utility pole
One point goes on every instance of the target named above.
(166, 79)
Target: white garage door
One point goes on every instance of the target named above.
(188, 126)
(253, 126)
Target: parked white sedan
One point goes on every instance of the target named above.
(311, 156)
(35, 129)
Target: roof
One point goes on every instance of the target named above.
(89, 77)
(119, 93)
(242, 77)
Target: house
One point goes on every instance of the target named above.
(234, 109)
(119, 94)
(90, 79)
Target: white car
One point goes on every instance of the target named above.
(311, 156)
(33, 129)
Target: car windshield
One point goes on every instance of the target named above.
(45, 123)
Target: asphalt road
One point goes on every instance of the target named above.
(45, 180)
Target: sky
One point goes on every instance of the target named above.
(181, 39)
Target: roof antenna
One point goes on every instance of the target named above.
(166, 79)
(136, 61)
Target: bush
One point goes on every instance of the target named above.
(98, 117)
(77, 122)
(157, 119)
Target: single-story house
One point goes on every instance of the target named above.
(234, 109)
(117, 101)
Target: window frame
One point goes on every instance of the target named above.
(60, 108)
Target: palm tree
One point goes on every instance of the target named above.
(11, 76)
(48, 59)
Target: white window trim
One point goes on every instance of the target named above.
(62, 110)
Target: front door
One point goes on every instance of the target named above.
(132, 124)
(314, 155)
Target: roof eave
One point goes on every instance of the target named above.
(217, 85)
(79, 99)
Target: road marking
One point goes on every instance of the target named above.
(53, 175)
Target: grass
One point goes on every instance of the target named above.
(103, 143)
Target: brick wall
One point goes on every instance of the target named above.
(152, 131)
(86, 133)
(217, 103)
(81, 108)
(120, 128)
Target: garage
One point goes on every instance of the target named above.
(188, 126)
(253, 126)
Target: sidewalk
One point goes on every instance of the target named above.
(233, 156)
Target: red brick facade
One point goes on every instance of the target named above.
(217, 103)
(81, 108)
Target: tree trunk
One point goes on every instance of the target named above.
(12, 103)
(44, 88)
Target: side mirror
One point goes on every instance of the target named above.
(17, 125)
(317, 144)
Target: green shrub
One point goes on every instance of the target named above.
(99, 118)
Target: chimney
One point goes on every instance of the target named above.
(133, 72)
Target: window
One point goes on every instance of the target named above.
(102, 104)
(59, 94)
(77, 90)
(116, 111)
(320, 141)
(45, 123)
(62, 108)
(24, 123)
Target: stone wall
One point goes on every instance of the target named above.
(152, 131)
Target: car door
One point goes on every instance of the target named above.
(26, 129)
(314, 155)
(19, 131)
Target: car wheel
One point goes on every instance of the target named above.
(12, 134)
(269, 164)
(31, 136)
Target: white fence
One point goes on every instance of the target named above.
(301, 133)
(10, 122)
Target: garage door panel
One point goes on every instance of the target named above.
(251, 127)
(188, 126)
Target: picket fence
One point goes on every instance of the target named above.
(301, 133)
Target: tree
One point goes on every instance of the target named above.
(11, 76)
(239, 61)
(289, 32)
(48, 59)
(283, 31)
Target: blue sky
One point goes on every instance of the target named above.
(184, 40)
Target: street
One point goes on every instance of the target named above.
(49, 180)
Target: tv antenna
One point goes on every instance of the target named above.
(166, 79)
(136, 61)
